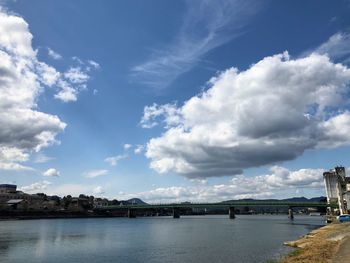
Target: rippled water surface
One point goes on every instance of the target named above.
(250, 238)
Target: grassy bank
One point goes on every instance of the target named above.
(320, 245)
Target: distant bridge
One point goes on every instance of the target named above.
(132, 208)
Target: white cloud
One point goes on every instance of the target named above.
(67, 93)
(207, 25)
(94, 64)
(35, 187)
(271, 112)
(76, 75)
(20, 67)
(73, 81)
(98, 190)
(113, 160)
(53, 54)
(72, 189)
(11, 166)
(68, 189)
(95, 173)
(270, 185)
(152, 114)
(127, 146)
(51, 172)
(139, 148)
(42, 158)
(337, 47)
(14, 35)
(9, 154)
(25, 129)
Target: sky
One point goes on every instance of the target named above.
(173, 101)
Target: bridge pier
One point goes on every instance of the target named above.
(231, 213)
(176, 212)
(290, 213)
(131, 213)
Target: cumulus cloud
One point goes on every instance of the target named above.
(35, 187)
(10, 166)
(278, 180)
(51, 172)
(73, 81)
(21, 67)
(24, 129)
(113, 160)
(271, 112)
(53, 54)
(68, 189)
(72, 189)
(206, 25)
(95, 173)
(152, 115)
(127, 146)
(139, 149)
(67, 92)
(98, 190)
(76, 75)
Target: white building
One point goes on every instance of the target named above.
(338, 188)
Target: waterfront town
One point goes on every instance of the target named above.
(19, 204)
(14, 203)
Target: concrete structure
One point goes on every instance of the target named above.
(8, 192)
(290, 213)
(131, 213)
(231, 212)
(8, 189)
(176, 213)
(17, 204)
(338, 188)
(176, 208)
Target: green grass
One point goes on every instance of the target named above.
(293, 253)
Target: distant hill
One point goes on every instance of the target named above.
(133, 201)
(138, 201)
(293, 199)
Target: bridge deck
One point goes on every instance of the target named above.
(221, 205)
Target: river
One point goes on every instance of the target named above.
(248, 238)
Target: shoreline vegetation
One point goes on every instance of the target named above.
(330, 243)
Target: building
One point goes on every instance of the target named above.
(100, 202)
(8, 192)
(8, 188)
(338, 188)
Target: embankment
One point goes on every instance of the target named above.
(330, 243)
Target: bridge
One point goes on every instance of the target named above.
(176, 207)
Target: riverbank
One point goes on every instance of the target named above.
(26, 215)
(330, 243)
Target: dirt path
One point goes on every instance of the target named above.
(343, 253)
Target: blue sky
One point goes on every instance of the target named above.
(174, 100)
